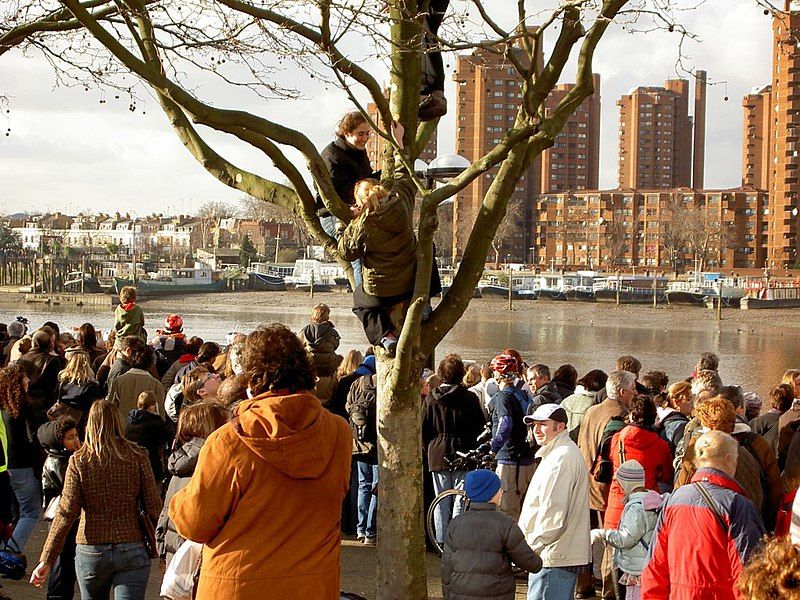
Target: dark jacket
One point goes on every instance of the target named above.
(347, 166)
(671, 429)
(509, 433)
(169, 348)
(322, 340)
(362, 407)
(766, 426)
(42, 369)
(80, 396)
(180, 466)
(24, 450)
(480, 546)
(151, 432)
(55, 465)
(384, 241)
(338, 401)
(689, 542)
(553, 392)
(452, 420)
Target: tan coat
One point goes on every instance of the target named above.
(125, 390)
(384, 241)
(266, 500)
(589, 436)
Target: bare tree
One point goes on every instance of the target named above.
(616, 243)
(96, 41)
(510, 227)
(674, 230)
(706, 238)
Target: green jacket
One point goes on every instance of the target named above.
(129, 322)
(384, 241)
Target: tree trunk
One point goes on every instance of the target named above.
(400, 527)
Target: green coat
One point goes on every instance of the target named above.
(384, 241)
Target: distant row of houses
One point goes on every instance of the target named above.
(178, 234)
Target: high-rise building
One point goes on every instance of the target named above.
(488, 97)
(784, 135)
(573, 163)
(756, 136)
(655, 139)
(377, 144)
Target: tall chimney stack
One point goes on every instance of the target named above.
(699, 143)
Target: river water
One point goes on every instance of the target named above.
(755, 346)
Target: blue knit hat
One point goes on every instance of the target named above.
(481, 485)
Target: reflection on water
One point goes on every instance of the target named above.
(586, 336)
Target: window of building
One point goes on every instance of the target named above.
(498, 82)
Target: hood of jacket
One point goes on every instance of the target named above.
(641, 438)
(137, 416)
(183, 461)
(186, 358)
(47, 438)
(650, 499)
(291, 432)
(315, 332)
(449, 395)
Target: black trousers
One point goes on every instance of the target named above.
(432, 64)
(62, 578)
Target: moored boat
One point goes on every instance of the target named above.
(167, 281)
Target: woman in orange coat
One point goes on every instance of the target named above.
(267, 493)
(638, 441)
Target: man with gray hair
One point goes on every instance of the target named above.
(620, 390)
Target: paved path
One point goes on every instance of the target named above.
(358, 573)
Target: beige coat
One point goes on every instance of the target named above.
(589, 436)
(125, 390)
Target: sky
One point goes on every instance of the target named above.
(67, 151)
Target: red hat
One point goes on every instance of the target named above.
(173, 323)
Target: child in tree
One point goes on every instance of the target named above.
(128, 316)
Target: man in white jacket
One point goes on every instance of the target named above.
(555, 512)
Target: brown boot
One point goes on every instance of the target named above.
(433, 106)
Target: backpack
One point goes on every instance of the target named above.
(603, 467)
(362, 404)
(520, 396)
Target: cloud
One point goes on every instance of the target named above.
(66, 150)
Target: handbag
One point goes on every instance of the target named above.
(62, 409)
(148, 531)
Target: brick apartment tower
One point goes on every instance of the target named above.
(488, 95)
(756, 136)
(377, 144)
(655, 139)
(784, 134)
(573, 163)
(699, 139)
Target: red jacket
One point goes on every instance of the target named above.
(692, 556)
(652, 452)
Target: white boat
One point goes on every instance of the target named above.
(323, 276)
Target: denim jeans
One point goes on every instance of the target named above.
(551, 583)
(61, 585)
(450, 507)
(28, 490)
(367, 501)
(123, 568)
(329, 226)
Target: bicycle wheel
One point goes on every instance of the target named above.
(430, 525)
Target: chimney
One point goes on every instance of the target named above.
(699, 142)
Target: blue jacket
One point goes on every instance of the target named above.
(509, 433)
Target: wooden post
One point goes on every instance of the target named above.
(83, 273)
(311, 291)
(510, 290)
(719, 301)
(655, 290)
(619, 281)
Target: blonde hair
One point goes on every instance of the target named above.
(789, 376)
(105, 440)
(145, 400)
(368, 194)
(773, 572)
(78, 369)
(320, 313)
(712, 447)
(127, 294)
(349, 363)
(472, 375)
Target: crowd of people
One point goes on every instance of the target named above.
(622, 485)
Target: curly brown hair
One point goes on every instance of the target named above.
(349, 122)
(275, 359)
(717, 413)
(643, 411)
(781, 397)
(11, 389)
(451, 369)
(774, 572)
